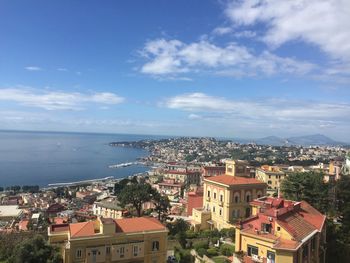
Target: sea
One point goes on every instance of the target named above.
(42, 158)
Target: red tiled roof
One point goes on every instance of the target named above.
(82, 229)
(23, 224)
(295, 225)
(180, 172)
(312, 215)
(59, 228)
(138, 224)
(233, 180)
(286, 244)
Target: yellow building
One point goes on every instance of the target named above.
(272, 176)
(111, 240)
(282, 231)
(108, 208)
(226, 197)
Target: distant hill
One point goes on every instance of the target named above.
(307, 140)
(315, 139)
(271, 140)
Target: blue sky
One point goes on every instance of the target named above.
(199, 68)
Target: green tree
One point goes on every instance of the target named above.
(308, 186)
(35, 250)
(135, 195)
(343, 207)
(162, 204)
(177, 226)
(227, 250)
(119, 186)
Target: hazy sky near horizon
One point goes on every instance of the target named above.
(201, 68)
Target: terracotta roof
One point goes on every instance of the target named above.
(295, 225)
(181, 172)
(286, 244)
(312, 215)
(82, 229)
(23, 224)
(138, 224)
(233, 180)
(59, 228)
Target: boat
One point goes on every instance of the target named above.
(120, 165)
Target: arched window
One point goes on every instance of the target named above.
(259, 194)
(236, 198)
(247, 198)
(234, 215)
(155, 245)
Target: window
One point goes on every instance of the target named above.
(155, 245)
(122, 252)
(313, 243)
(208, 193)
(266, 228)
(220, 211)
(214, 195)
(221, 198)
(269, 176)
(270, 257)
(108, 250)
(305, 251)
(214, 209)
(247, 198)
(78, 253)
(135, 250)
(236, 199)
(269, 182)
(252, 251)
(278, 228)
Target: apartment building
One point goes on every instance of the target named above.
(110, 240)
(272, 176)
(227, 197)
(109, 208)
(282, 231)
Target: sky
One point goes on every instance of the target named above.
(236, 69)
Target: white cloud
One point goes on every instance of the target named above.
(324, 23)
(172, 57)
(57, 100)
(245, 34)
(62, 69)
(222, 30)
(33, 68)
(265, 109)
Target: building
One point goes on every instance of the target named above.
(108, 208)
(110, 240)
(171, 188)
(194, 199)
(185, 177)
(272, 176)
(9, 212)
(213, 170)
(227, 197)
(282, 231)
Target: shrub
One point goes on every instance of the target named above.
(201, 252)
(200, 244)
(212, 252)
(227, 250)
(228, 232)
(214, 240)
(191, 234)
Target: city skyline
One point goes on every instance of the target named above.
(215, 68)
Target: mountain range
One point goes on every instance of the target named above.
(307, 140)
